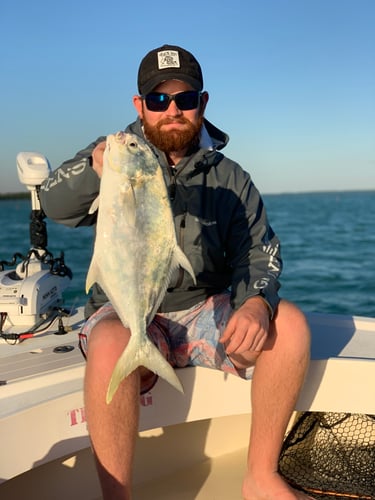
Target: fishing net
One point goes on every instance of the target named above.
(331, 456)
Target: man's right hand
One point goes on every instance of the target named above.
(97, 158)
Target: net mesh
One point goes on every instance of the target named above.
(331, 455)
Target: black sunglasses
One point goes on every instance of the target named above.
(157, 101)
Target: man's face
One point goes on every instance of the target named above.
(172, 130)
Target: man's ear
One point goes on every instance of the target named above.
(138, 104)
(204, 101)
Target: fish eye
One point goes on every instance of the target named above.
(133, 145)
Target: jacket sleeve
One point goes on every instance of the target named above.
(67, 194)
(254, 250)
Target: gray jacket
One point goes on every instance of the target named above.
(220, 220)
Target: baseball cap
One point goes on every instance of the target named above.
(168, 62)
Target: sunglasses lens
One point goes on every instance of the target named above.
(185, 101)
(157, 102)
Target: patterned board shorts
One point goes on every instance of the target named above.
(185, 338)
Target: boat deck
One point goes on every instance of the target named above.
(43, 421)
(188, 467)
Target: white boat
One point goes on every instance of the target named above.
(184, 451)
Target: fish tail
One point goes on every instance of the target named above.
(141, 354)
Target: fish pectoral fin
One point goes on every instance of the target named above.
(180, 259)
(141, 354)
(129, 200)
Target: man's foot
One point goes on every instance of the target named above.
(271, 487)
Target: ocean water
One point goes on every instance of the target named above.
(327, 241)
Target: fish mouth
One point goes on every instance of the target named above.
(124, 139)
(120, 136)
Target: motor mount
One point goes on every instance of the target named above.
(32, 290)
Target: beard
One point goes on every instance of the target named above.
(174, 140)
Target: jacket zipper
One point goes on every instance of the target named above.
(173, 184)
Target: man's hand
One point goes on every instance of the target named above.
(97, 158)
(247, 329)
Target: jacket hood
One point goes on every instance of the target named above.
(219, 138)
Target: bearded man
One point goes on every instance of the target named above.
(232, 319)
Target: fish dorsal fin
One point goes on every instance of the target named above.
(178, 259)
(94, 206)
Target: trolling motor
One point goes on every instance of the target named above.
(31, 293)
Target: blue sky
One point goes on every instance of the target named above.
(291, 81)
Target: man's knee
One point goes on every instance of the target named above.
(290, 316)
(108, 337)
(290, 326)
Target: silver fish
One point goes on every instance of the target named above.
(135, 250)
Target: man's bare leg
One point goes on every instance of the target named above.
(278, 376)
(113, 428)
